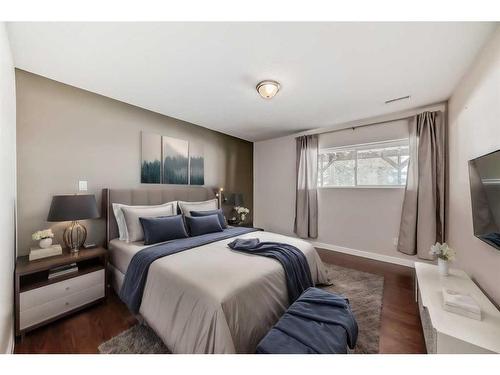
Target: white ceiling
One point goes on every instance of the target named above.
(206, 73)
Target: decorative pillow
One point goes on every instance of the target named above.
(187, 207)
(161, 229)
(120, 219)
(218, 212)
(132, 215)
(203, 224)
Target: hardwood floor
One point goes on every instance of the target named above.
(81, 332)
(400, 330)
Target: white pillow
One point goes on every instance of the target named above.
(187, 207)
(132, 215)
(120, 219)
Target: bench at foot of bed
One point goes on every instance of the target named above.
(318, 322)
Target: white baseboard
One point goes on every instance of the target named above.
(365, 254)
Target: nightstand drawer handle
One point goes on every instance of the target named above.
(67, 303)
(67, 288)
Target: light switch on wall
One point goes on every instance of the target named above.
(82, 185)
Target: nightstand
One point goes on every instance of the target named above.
(244, 224)
(40, 300)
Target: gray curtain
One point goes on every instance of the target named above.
(306, 198)
(422, 219)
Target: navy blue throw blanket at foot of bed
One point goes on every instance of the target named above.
(294, 262)
(137, 272)
(319, 322)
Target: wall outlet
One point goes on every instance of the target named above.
(82, 185)
(395, 241)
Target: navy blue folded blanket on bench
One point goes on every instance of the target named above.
(294, 262)
(318, 322)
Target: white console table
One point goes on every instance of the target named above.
(446, 332)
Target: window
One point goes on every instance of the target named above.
(381, 164)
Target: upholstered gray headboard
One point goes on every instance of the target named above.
(149, 196)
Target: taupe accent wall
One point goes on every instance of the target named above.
(65, 134)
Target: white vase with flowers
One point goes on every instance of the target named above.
(242, 213)
(445, 255)
(44, 237)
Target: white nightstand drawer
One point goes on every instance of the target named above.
(52, 292)
(59, 306)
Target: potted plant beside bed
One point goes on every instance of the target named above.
(239, 215)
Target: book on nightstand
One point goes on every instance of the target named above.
(462, 304)
(63, 270)
(38, 253)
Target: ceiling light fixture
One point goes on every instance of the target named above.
(267, 89)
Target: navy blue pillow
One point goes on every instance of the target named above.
(163, 228)
(218, 212)
(203, 225)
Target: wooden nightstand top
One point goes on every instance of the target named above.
(25, 267)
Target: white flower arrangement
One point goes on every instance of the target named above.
(41, 234)
(442, 251)
(242, 210)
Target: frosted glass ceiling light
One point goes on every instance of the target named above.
(267, 89)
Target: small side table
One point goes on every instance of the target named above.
(40, 300)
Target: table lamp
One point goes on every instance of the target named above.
(73, 208)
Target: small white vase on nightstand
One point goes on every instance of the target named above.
(45, 243)
(444, 267)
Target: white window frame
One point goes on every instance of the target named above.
(361, 147)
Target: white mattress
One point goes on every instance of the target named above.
(121, 253)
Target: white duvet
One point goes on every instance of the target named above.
(211, 299)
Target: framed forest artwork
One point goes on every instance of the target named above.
(167, 160)
(151, 158)
(175, 161)
(196, 164)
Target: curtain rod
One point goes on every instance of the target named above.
(373, 121)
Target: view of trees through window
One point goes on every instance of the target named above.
(376, 164)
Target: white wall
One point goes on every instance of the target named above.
(365, 219)
(7, 190)
(474, 130)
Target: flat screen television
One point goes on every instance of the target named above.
(484, 175)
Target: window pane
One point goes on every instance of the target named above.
(337, 168)
(382, 166)
(404, 159)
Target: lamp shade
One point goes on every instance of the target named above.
(73, 207)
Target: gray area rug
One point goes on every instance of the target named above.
(364, 291)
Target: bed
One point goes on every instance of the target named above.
(208, 299)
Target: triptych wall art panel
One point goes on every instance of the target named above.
(170, 160)
(196, 164)
(151, 158)
(175, 161)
